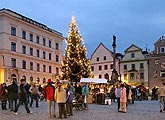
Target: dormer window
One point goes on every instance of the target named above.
(132, 55)
(105, 58)
(97, 59)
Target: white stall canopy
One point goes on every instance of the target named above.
(93, 80)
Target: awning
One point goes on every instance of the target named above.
(93, 80)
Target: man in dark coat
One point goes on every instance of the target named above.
(22, 96)
(13, 95)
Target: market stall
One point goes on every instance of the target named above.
(97, 89)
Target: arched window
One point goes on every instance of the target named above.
(44, 80)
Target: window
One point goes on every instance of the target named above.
(97, 59)
(57, 46)
(23, 64)
(57, 58)
(111, 66)
(23, 34)
(100, 67)
(141, 75)
(50, 44)
(162, 50)
(92, 67)
(125, 67)
(38, 53)
(162, 73)
(44, 42)
(31, 37)
(50, 69)
(133, 66)
(132, 76)
(105, 58)
(132, 55)
(141, 65)
(99, 76)
(50, 56)
(23, 49)
(44, 55)
(38, 39)
(31, 51)
(13, 62)
(125, 77)
(31, 65)
(38, 67)
(44, 68)
(57, 71)
(13, 31)
(13, 46)
(105, 67)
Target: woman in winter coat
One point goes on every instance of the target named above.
(123, 99)
(3, 91)
(60, 98)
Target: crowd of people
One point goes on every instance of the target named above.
(15, 95)
(66, 96)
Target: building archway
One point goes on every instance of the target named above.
(14, 77)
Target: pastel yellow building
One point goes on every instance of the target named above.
(28, 49)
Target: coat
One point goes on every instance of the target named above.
(12, 91)
(3, 95)
(22, 94)
(60, 96)
(162, 91)
(49, 92)
(69, 96)
(123, 97)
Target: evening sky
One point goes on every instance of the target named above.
(139, 22)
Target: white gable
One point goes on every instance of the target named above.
(100, 52)
(133, 48)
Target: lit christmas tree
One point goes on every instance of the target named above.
(75, 64)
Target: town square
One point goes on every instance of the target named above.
(82, 60)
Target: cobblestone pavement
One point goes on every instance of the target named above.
(141, 110)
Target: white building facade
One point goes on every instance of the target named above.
(28, 49)
(134, 66)
(102, 62)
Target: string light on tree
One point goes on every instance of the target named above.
(75, 64)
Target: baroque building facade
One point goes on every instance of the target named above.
(28, 49)
(157, 64)
(134, 66)
(102, 63)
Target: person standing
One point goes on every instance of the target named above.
(123, 99)
(69, 95)
(49, 95)
(34, 94)
(22, 96)
(162, 97)
(3, 92)
(60, 98)
(85, 92)
(13, 95)
(117, 93)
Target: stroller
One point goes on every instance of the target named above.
(77, 102)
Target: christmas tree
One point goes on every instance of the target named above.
(75, 65)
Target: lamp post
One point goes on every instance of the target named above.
(114, 76)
